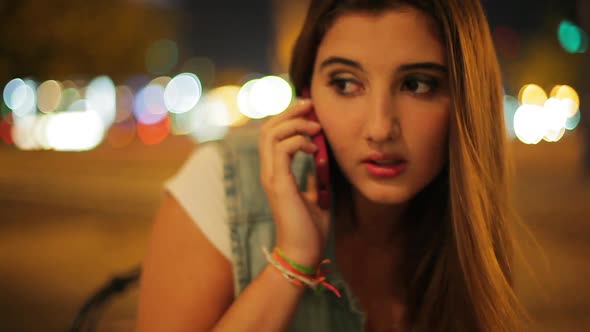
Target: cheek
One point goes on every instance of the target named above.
(427, 136)
(343, 137)
(340, 124)
(343, 133)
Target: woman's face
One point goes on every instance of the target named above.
(380, 90)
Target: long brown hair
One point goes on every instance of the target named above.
(460, 278)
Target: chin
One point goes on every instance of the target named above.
(387, 196)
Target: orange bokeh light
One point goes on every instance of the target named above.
(154, 133)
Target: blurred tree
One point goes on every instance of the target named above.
(65, 39)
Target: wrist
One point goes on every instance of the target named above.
(300, 275)
(301, 256)
(277, 278)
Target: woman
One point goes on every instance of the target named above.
(408, 95)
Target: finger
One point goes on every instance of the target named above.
(300, 107)
(280, 132)
(283, 153)
(292, 127)
(286, 129)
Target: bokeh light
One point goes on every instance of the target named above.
(6, 129)
(101, 97)
(571, 37)
(69, 97)
(554, 136)
(20, 95)
(161, 81)
(124, 103)
(569, 96)
(572, 122)
(15, 93)
(49, 95)
(6, 113)
(149, 105)
(527, 125)
(270, 95)
(154, 133)
(229, 95)
(67, 84)
(75, 131)
(210, 118)
(180, 123)
(161, 57)
(30, 106)
(22, 132)
(510, 106)
(39, 132)
(532, 94)
(263, 97)
(245, 105)
(553, 118)
(78, 106)
(182, 93)
(549, 121)
(203, 67)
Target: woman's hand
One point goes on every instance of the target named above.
(302, 227)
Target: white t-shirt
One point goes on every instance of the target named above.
(198, 187)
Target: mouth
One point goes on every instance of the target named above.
(385, 165)
(385, 159)
(386, 162)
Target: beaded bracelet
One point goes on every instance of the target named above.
(299, 274)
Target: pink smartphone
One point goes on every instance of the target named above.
(321, 160)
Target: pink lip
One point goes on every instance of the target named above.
(386, 170)
(382, 156)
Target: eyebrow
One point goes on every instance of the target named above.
(403, 67)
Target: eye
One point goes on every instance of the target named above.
(420, 85)
(345, 86)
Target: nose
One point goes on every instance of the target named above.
(382, 122)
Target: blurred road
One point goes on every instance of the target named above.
(68, 221)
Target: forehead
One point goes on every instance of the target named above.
(393, 36)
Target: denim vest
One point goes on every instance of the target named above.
(251, 227)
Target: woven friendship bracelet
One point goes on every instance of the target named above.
(315, 281)
(300, 268)
(290, 275)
